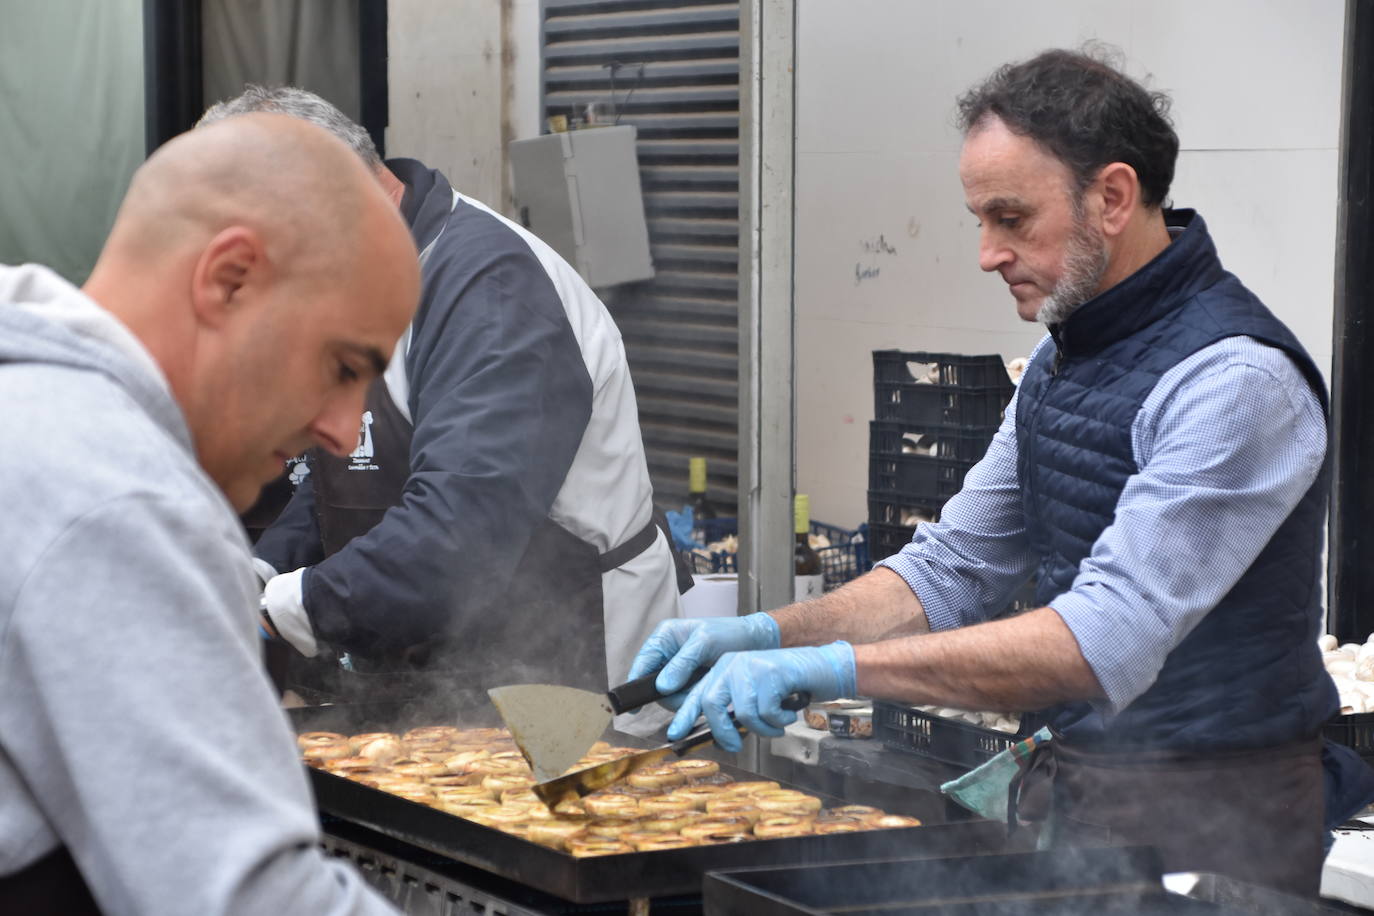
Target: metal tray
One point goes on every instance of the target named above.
(1088, 881)
(1110, 881)
(601, 878)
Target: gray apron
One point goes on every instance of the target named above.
(1255, 815)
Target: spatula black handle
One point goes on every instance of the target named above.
(641, 692)
(793, 701)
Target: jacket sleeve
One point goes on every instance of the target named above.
(293, 540)
(145, 732)
(500, 397)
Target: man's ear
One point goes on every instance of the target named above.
(1120, 189)
(232, 262)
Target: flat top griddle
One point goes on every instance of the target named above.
(598, 878)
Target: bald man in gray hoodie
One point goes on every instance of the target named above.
(232, 320)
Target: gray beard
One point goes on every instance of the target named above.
(1085, 261)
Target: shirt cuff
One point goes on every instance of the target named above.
(1123, 670)
(925, 586)
(286, 605)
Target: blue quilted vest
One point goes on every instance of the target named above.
(1250, 674)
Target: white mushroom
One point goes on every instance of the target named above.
(1364, 663)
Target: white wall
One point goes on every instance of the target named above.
(1257, 108)
(464, 82)
(523, 45)
(447, 91)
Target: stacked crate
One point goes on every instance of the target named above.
(935, 415)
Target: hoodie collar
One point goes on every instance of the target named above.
(45, 319)
(427, 202)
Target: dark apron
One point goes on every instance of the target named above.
(1254, 816)
(555, 590)
(52, 885)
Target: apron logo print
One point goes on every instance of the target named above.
(361, 457)
(299, 470)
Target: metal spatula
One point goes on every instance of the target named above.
(554, 726)
(580, 783)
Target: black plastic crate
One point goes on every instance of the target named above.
(963, 744)
(715, 529)
(1355, 732)
(885, 437)
(885, 540)
(935, 479)
(953, 369)
(957, 390)
(905, 510)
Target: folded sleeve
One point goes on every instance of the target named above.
(965, 567)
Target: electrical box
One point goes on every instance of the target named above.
(579, 192)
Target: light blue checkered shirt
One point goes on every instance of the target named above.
(1225, 445)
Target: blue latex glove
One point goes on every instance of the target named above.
(755, 684)
(680, 525)
(681, 646)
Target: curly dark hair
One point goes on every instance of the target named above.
(1085, 112)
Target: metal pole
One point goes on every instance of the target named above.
(1351, 539)
(767, 133)
(766, 322)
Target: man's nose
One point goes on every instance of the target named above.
(992, 254)
(336, 426)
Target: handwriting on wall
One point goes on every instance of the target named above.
(874, 249)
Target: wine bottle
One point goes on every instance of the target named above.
(809, 578)
(702, 510)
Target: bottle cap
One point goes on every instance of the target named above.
(801, 513)
(696, 475)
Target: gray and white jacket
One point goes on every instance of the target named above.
(514, 377)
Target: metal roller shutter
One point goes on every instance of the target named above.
(681, 329)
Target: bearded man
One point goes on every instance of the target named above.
(1161, 470)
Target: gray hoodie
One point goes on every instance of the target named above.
(136, 725)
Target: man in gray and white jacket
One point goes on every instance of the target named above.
(231, 320)
(495, 522)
